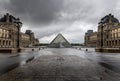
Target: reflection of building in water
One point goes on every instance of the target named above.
(59, 41)
(91, 38)
(10, 35)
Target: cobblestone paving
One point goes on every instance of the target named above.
(61, 65)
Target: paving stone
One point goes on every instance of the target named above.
(60, 67)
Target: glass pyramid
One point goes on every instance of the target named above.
(59, 41)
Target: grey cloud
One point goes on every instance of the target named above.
(88, 11)
(65, 11)
(49, 17)
(36, 11)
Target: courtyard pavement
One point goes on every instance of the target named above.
(63, 64)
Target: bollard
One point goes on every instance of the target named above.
(39, 48)
(101, 78)
(79, 48)
(32, 49)
(86, 49)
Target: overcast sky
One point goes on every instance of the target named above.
(72, 18)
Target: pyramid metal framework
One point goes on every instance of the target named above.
(59, 41)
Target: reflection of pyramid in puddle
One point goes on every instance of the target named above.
(59, 41)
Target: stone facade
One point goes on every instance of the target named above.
(11, 36)
(5, 40)
(90, 38)
(33, 41)
(25, 40)
(109, 32)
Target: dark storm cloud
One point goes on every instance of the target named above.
(65, 11)
(36, 11)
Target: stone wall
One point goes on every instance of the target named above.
(91, 39)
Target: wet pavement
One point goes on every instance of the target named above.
(66, 64)
(11, 61)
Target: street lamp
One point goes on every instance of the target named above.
(102, 36)
(19, 25)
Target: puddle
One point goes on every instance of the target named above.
(30, 59)
(13, 66)
(14, 56)
(23, 63)
(9, 68)
(110, 67)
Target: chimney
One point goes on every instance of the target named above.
(7, 18)
(110, 18)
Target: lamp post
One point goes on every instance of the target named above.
(19, 25)
(101, 37)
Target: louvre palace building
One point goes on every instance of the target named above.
(90, 38)
(107, 37)
(11, 35)
(109, 32)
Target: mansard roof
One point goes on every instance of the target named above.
(11, 18)
(28, 32)
(109, 18)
